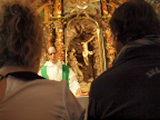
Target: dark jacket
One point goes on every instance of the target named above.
(131, 88)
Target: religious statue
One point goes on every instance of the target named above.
(85, 51)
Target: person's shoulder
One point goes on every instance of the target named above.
(111, 75)
(51, 88)
(49, 83)
(43, 86)
(39, 88)
(50, 64)
(104, 77)
(105, 82)
(47, 63)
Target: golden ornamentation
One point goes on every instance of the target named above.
(81, 35)
(59, 30)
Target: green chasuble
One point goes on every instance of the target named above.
(44, 72)
(65, 73)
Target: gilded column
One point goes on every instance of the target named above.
(111, 51)
(59, 29)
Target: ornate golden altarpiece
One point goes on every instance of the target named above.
(79, 30)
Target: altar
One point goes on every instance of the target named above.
(80, 31)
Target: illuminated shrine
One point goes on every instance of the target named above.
(80, 32)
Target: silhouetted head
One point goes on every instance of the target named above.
(20, 35)
(134, 20)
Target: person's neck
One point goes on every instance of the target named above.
(9, 69)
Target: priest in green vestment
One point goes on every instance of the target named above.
(58, 70)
